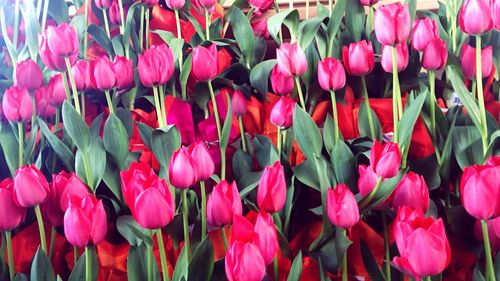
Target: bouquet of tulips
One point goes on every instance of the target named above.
(177, 140)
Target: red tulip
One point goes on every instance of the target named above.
(401, 57)
(411, 191)
(480, 190)
(43, 106)
(223, 204)
(342, 207)
(435, 55)
(261, 5)
(11, 214)
(392, 24)
(103, 4)
(368, 2)
(271, 193)
(385, 159)
(474, 17)
(124, 70)
(28, 75)
(422, 244)
(85, 221)
(182, 169)
(468, 59)
(102, 74)
(156, 65)
(424, 31)
(147, 196)
(493, 232)
(56, 91)
(282, 113)
(331, 74)
(244, 262)
(205, 63)
(495, 13)
(282, 84)
(267, 237)
(239, 103)
(81, 73)
(259, 26)
(175, 4)
(204, 163)
(359, 58)
(30, 187)
(62, 40)
(17, 104)
(291, 59)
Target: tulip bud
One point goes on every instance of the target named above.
(392, 24)
(271, 193)
(282, 113)
(261, 5)
(17, 104)
(401, 57)
(359, 58)
(282, 84)
(182, 169)
(259, 26)
(239, 103)
(474, 17)
(204, 163)
(267, 237)
(156, 65)
(81, 73)
(244, 262)
(102, 74)
(223, 203)
(205, 63)
(208, 5)
(11, 214)
(468, 59)
(385, 159)
(103, 4)
(62, 40)
(124, 70)
(85, 221)
(331, 74)
(30, 187)
(28, 75)
(43, 106)
(367, 180)
(424, 31)
(435, 55)
(114, 13)
(56, 92)
(291, 59)
(368, 3)
(342, 207)
(411, 191)
(175, 4)
(495, 15)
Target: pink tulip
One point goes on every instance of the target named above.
(56, 91)
(493, 234)
(11, 214)
(468, 59)
(331, 74)
(239, 103)
(271, 193)
(102, 74)
(367, 180)
(150, 3)
(385, 159)
(180, 115)
(51, 59)
(267, 237)
(401, 57)
(474, 17)
(244, 262)
(182, 169)
(28, 75)
(208, 5)
(30, 187)
(124, 70)
(156, 65)
(62, 40)
(85, 221)
(223, 203)
(342, 207)
(17, 104)
(114, 13)
(291, 59)
(411, 191)
(81, 73)
(368, 3)
(282, 84)
(103, 4)
(359, 58)
(435, 55)
(282, 113)
(205, 63)
(43, 106)
(495, 13)
(175, 4)
(392, 23)
(424, 31)
(261, 5)
(204, 163)
(480, 190)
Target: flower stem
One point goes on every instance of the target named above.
(242, 132)
(207, 25)
(219, 129)
(224, 237)
(20, 135)
(66, 87)
(8, 239)
(88, 264)
(480, 97)
(178, 24)
(39, 219)
(490, 273)
(16, 23)
(427, 278)
(147, 28)
(344, 267)
(122, 17)
(395, 94)
(330, 7)
(307, 9)
(276, 267)
(52, 241)
(336, 130)
(106, 24)
(110, 103)
(75, 255)
(159, 114)
(88, 173)
(368, 108)
(386, 248)
(162, 104)
(299, 90)
(203, 210)
(141, 29)
(432, 87)
(278, 142)
(369, 21)
(371, 194)
(185, 221)
(44, 14)
(149, 263)
(85, 37)
(163, 256)
(73, 85)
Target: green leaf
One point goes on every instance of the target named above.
(465, 96)
(32, 28)
(29, 146)
(111, 178)
(181, 267)
(290, 18)
(407, 122)
(265, 152)
(370, 263)
(100, 36)
(307, 30)
(342, 242)
(124, 225)
(96, 157)
(41, 267)
(75, 127)
(128, 24)
(259, 76)
(202, 263)
(137, 264)
(307, 133)
(384, 191)
(364, 125)
(328, 133)
(58, 10)
(334, 23)
(164, 142)
(116, 140)
(243, 34)
(307, 174)
(344, 164)
(9, 144)
(467, 146)
(186, 69)
(62, 151)
(78, 273)
(226, 128)
(146, 133)
(10, 47)
(125, 116)
(296, 269)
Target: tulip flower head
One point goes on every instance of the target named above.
(368, 3)
(392, 23)
(175, 4)
(402, 57)
(182, 169)
(468, 61)
(223, 203)
(62, 40)
(28, 75)
(282, 113)
(424, 31)
(205, 63)
(17, 104)
(411, 191)
(435, 55)
(85, 221)
(42, 104)
(102, 74)
(56, 91)
(81, 73)
(282, 83)
(156, 65)
(124, 71)
(261, 5)
(474, 17)
(359, 58)
(244, 262)
(331, 74)
(271, 193)
(385, 159)
(342, 207)
(11, 214)
(30, 187)
(291, 59)
(239, 103)
(205, 166)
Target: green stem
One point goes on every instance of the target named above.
(427, 278)
(432, 87)
(8, 239)
(73, 85)
(39, 219)
(88, 172)
(368, 108)
(147, 28)
(20, 135)
(66, 87)
(44, 14)
(106, 24)
(75, 255)
(85, 37)
(490, 272)
(386, 248)
(38, 9)
(330, 7)
(395, 94)
(185, 221)
(159, 114)
(307, 9)
(178, 24)
(344, 267)
(276, 267)
(369, 22)
(163, 256)
(242, 132)
(52, 241)
(203, 210)
(207, 25)
(88, 264)
(216, 109)
(222, 163)
(299, 90)
(224, 237)
(336, 130)
(480, 97)
(278, 142)
(110, 102)
(122, 17)
(473, 89)
(371, 194)
(149, 263)
(141, 29)
(162, 104)
(16, 23)
(82, 98)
